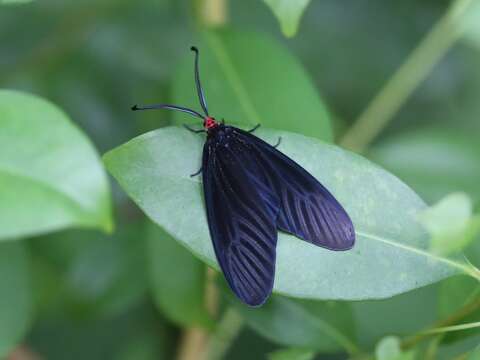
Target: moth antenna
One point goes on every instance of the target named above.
(200, 92)
(168, 107)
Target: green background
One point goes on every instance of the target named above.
(87, 273)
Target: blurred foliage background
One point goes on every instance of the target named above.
(137, 294)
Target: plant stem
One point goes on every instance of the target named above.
(407, 78)
(445, 329)
(431, 351)
(227, 329)
(211, 292)
(213, 13)
(192, 342)
(460, 314)
(210, 13)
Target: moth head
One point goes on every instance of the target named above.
(209, 123)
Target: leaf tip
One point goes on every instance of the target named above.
(289, 31)
(288, 15)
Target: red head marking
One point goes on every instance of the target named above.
(209, 123)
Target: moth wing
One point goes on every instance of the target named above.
(306, 208)
(242, 225)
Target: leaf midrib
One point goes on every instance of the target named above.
(449, 262)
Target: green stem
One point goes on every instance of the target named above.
(459, 315)
(212, 13)
(225, 333)
(445, 329)
(431, 351)
(407, 78)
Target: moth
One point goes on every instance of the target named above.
(252, 191)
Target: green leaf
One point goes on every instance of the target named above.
(248, 345)
(108, 275)
(471, 23)
(138, 334)
(142, 347)
(434, 162)
(50, 175)
(323, 326)
(250, 79)
(14, 2)
(389, 349)
(94, 273)
(450, 224)
(288, 13)
(475, 354)
(292, 354)
(388, 258)
(454, 294)
(16, 308)
(457, 350)
(402, 315)
(177, 280)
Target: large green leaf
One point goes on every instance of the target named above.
(471, 23)
(401, 315)
(250, 79)
(177, 280)
(248, 345)
(50, 175)
(458, 350)
(288, 13)
(433, 161)
(89, 272)
(388, 258)
(323, 326)
(138, 334)
(15, 296)
(475, 354)
(454, 295)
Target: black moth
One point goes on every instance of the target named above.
(251, 191)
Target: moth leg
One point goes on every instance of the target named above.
(254, 128)
(278, 142)
(193, 130)
(197, 173)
